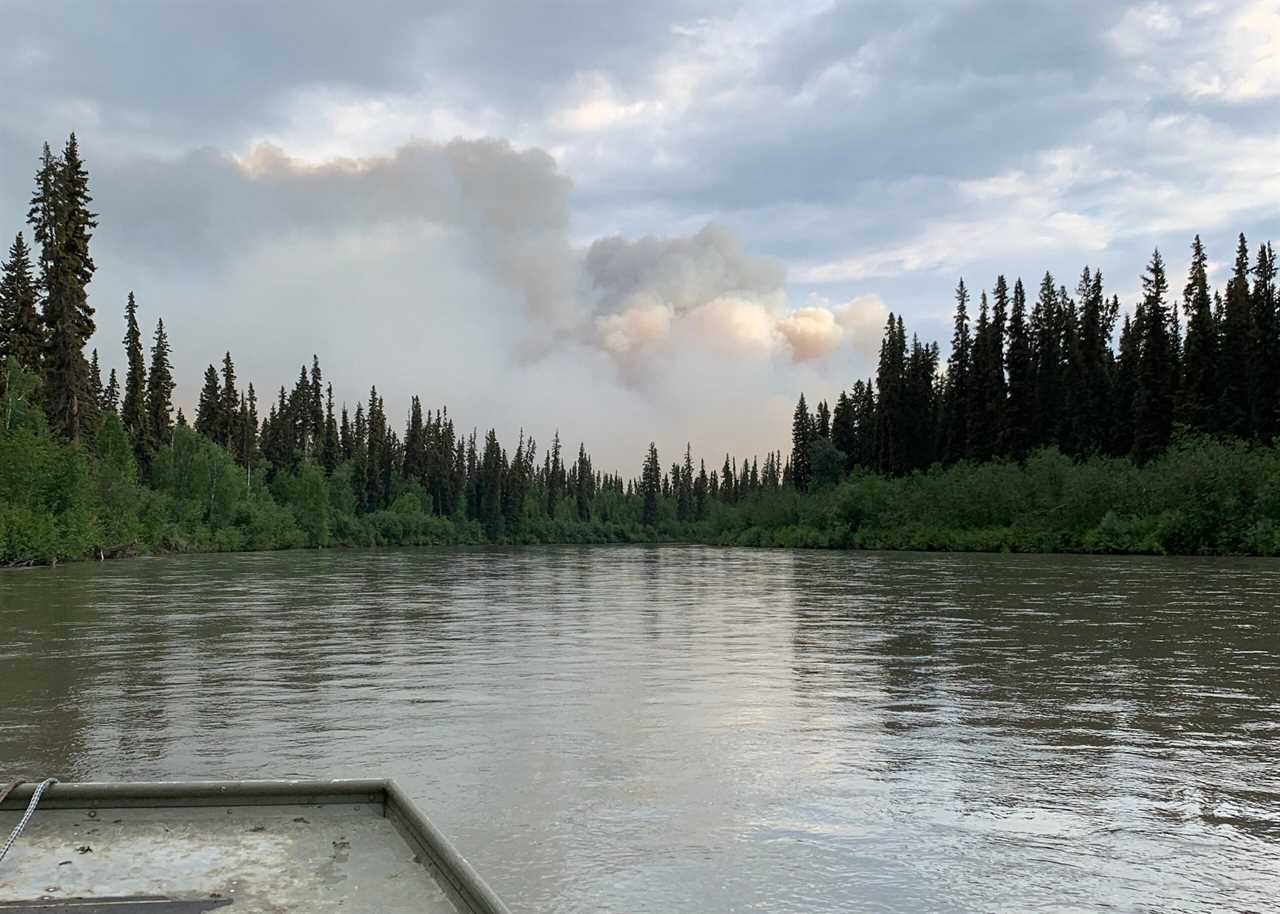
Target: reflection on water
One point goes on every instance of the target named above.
(699, 730)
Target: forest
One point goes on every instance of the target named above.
(1052, 425)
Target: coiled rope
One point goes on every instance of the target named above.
(26, 817)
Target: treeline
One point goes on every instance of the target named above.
(1037, 435)
(1019, 380)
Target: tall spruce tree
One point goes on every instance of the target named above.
(1199, 389)
(1153, 395)
(160, 387)
(1266, 347)
(1097, 324)
(111, 395)
(584, 484)
(1020, 368)
(209, 408)
(891, 373)
(1047, 359)
(228, 405)
(68, 317)
(650, 486)
(959, 371)
(801, 436)
(331, 453)
(822, 420)
(133, 409)
(1235, 410)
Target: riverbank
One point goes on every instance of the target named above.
(1202, 497)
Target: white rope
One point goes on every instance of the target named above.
(26, 817)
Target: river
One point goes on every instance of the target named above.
(691, 730)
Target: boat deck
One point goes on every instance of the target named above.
(345, 851)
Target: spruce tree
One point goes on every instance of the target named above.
(1047, 359)
(228, 406)
(959, 370)
(1235, 411)
(415, 444)
(209, 409)
(315, 417)
(1153, 396)
(843, 431)
(1199, 389)
(160, 387)
(1266, 347)
(133, 409)
(982, 431)
(583, 484)
(332, 450)
(1124, 391)
(21, 330)
(801, 434)
(684, 494)
(1097, 324)
(890, 383)
(95, 378)
(1020, 369)
(111, 395)
(490, 487)
(555, 475)
(68, 317)
(822, 420)
(650, 486)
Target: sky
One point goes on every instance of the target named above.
(627, 221)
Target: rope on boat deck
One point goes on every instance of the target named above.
(26, 817)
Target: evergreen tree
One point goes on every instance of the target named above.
(21, 331)
(111, 395)
(315, 409)
(133, 410)
(822, 420)
(959, 370)
(160, 389)
(1097, 324)
(801, 433)
(650, 485)
(684, 493)
(489, 488)
(1153, 395)
(68, 317)
(248, 450)
(1199, 389)
(208, 410)
(228, 406)
(1235, 411)
(1047, 359)
(1020, 368)
(415, 444)
(843, 431)
(890, 383)
(43, 216)
(95, 374)
(331, 453)
(555, 475)
(583, 485)
(344, 435)
(701, 491)
(1266, 347)
(919, 407)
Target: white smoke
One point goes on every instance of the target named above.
(453, 261)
